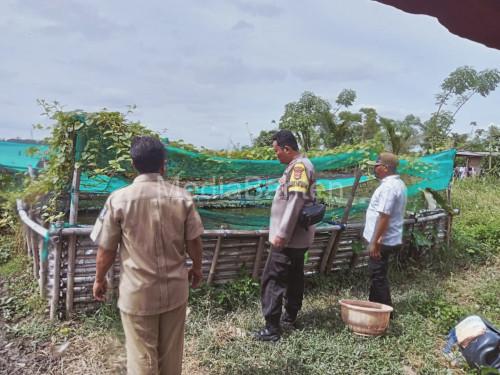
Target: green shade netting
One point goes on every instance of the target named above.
(431, 171)
(264, 187)
(14, 156)
(197, 165)
(258, 218)
(101, 184)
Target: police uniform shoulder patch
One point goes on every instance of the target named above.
(299, 181)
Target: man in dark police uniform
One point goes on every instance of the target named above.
(283, 277)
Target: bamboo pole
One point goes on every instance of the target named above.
(73, 216)
(345, 218)
(215, 258)
(54, 303)
(36, 256)
(258, 257)
(27, 236)
(44, 265)
(29, 222)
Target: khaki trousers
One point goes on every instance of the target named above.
(155, 343)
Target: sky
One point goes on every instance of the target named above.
(215, 72)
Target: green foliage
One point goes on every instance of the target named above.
(401, 135)
(264, 139)
(479, 221)
(302, 118)
(10, 187)
(459, 87)
(97, 142)
(21, 298)
(229, 296)
(346, 98)
(443, 313)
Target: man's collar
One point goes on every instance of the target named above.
(148, 177)
(298, 156)
(390, 177)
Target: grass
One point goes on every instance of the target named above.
(430, 296)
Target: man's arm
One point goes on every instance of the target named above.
(104, 261)
(380, 229)
(298, 185)
(289, 219)
(195, 250)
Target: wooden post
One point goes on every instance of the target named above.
(328, 250)
(44, 265)
(73, 216)
(215, 258)
(54, 302)
(258, 257)
(345, 218)
(450, 218)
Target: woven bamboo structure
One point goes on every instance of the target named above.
(65, 257)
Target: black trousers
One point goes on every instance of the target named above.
(379, 289)
(282, 280)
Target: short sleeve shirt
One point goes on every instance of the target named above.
(390, 199)
(296, 189)
(150, 220)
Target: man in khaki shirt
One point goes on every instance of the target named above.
(283, 277)
(154, 223)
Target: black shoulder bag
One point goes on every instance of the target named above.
(312, 214)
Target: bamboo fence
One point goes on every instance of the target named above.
(64, 258)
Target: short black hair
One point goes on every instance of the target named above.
(148, 154)
(286, 138)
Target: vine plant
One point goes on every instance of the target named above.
(97, 142)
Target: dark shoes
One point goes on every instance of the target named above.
(271, 332)
(288, 320)
(268, 334)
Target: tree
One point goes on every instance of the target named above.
(370, 125)
(435, 131)
(336, 129)
(303, 117)
(401, 135)
(264, 139)
(458, 140)
(345, 99)
(458, 88)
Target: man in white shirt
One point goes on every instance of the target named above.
(384, 225)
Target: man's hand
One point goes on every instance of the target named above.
(99, 289)
(195, 277)
(278, 242)
(374, 250)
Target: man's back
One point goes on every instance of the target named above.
(152, 220)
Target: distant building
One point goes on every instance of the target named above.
(473, 162)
